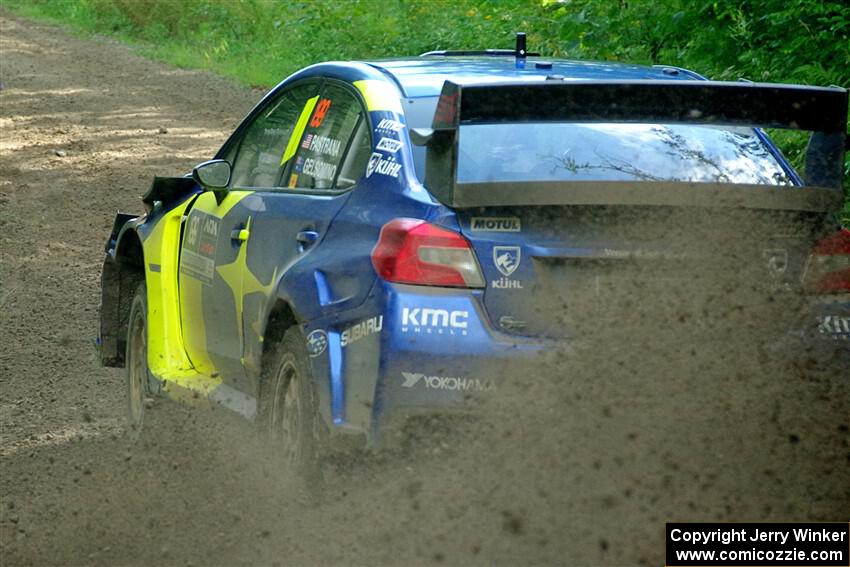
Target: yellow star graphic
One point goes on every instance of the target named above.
(242, 283)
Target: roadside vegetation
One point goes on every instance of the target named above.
(259, 42)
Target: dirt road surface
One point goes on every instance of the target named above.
(587, 473)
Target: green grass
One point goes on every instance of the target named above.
(260, 42)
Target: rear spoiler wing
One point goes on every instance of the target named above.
(819, 110)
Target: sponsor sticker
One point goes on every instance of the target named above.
(836, 326)
(362, 329)
(382, 165)
(389, 145)
(198, 255)
(434, 321)
(506, 259)
(275, 132)
(496, 224)
(450, 383)
(389, 126)
(776, 260)
(317, 342)
(506, 283)
(293, 180)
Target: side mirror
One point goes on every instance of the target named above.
(213, 175)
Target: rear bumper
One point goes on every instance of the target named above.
(440, 353)
(412, 350)
(825, 330)
(820, 338)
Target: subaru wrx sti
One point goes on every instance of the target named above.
(380, 239)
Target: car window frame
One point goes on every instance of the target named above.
(364, 116)
(229, 151)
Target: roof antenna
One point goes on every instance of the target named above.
(520, 51)
(520, 45)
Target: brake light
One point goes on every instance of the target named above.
(829, 264)
(416, 252)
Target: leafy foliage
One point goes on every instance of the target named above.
(259, 42)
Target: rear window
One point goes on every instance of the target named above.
(615, 152)
(605, 152)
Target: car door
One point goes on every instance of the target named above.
(213, 255)
(291, 170)
(328, 154)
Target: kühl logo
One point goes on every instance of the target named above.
(506, 259)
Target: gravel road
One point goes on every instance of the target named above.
(584, 470)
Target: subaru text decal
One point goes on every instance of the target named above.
(362, 329)
(439, 321)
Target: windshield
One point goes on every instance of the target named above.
(615, 152)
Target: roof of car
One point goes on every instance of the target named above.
(424, 76)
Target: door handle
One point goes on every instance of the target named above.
(306, 238)
(240, 235)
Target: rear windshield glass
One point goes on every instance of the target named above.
(609, 152)
(615, 152)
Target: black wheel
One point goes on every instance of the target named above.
(288, 409)
(137, 361)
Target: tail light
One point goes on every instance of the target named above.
(416, 252)
(829, 264)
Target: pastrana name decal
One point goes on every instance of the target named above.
(322, 145)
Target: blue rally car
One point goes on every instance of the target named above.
(381, 239)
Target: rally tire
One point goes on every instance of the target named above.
(137, 362)
(288, 410)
